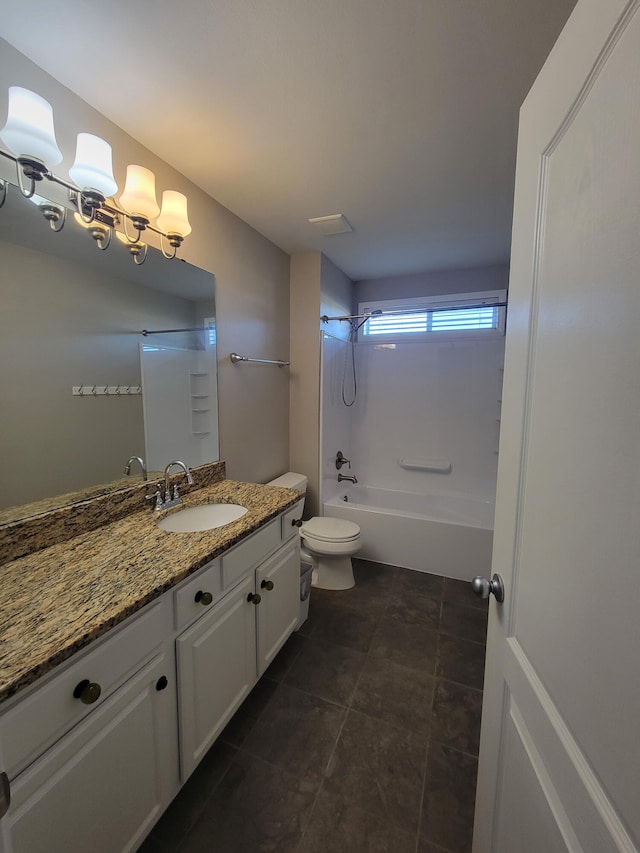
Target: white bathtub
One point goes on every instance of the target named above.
(450, 535)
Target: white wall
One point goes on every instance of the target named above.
(428, 401)
(252, 279)
(318, 287)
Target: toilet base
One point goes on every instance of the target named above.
(332, 573)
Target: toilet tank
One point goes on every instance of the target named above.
(290, 480)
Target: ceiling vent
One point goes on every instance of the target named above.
(337, 223)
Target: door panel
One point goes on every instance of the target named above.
(559, 753)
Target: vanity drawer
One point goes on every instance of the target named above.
(289, 529)
(51, 710)
(206, 583)
(249, 553)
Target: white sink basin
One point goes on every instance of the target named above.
(204, 517)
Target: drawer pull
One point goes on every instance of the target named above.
(297, 522)
(268, 585)
(87, 692)
(254, 598)
(162, 682)
(203, 597)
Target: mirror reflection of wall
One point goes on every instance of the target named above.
(72, 315)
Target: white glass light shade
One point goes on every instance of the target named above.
(29, 128)
(173, 218)
(93, 167)
(139, 196)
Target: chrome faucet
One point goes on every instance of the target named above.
(175, 498)
(168, 499)
(342, 477)
(140, 461)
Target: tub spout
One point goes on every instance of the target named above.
(342, 477)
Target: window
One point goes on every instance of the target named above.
(477, 314)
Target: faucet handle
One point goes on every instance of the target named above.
(157, 496)
(341, 460)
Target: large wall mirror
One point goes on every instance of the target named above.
(72, 317)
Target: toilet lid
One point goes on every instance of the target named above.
(330, 529)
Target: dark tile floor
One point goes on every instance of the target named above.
(362, 737)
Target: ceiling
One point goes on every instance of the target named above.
(400, 114)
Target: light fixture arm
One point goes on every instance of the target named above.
(136, 223)
(173, 241)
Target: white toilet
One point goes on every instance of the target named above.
(327, 543)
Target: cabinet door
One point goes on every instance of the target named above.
(101, 787)
(216, 671)
(278, 583)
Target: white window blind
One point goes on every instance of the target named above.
(463, 314)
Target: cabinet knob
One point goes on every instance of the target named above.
(87, 692)
(254, 598)
(203, 597)
(297, 522)
(267, 585)
(162, 682)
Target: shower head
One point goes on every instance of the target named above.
(362, 322)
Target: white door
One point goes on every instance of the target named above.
(560, 747)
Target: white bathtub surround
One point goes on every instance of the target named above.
(445, 534)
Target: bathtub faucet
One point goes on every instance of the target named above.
(342, 477)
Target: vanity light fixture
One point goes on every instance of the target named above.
(139, 199)
(173, 220)
(93, 171)
(29, 135)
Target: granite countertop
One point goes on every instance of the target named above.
(57, 600)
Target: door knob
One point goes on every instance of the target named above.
(483, 588)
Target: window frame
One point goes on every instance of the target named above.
(429, 303)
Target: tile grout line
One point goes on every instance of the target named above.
(426, 758)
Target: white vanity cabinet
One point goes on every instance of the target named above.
(96, 750)
(103, 783)
(222, 654)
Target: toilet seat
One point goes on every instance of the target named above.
(325, 529)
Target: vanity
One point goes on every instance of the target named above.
(126, 650)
